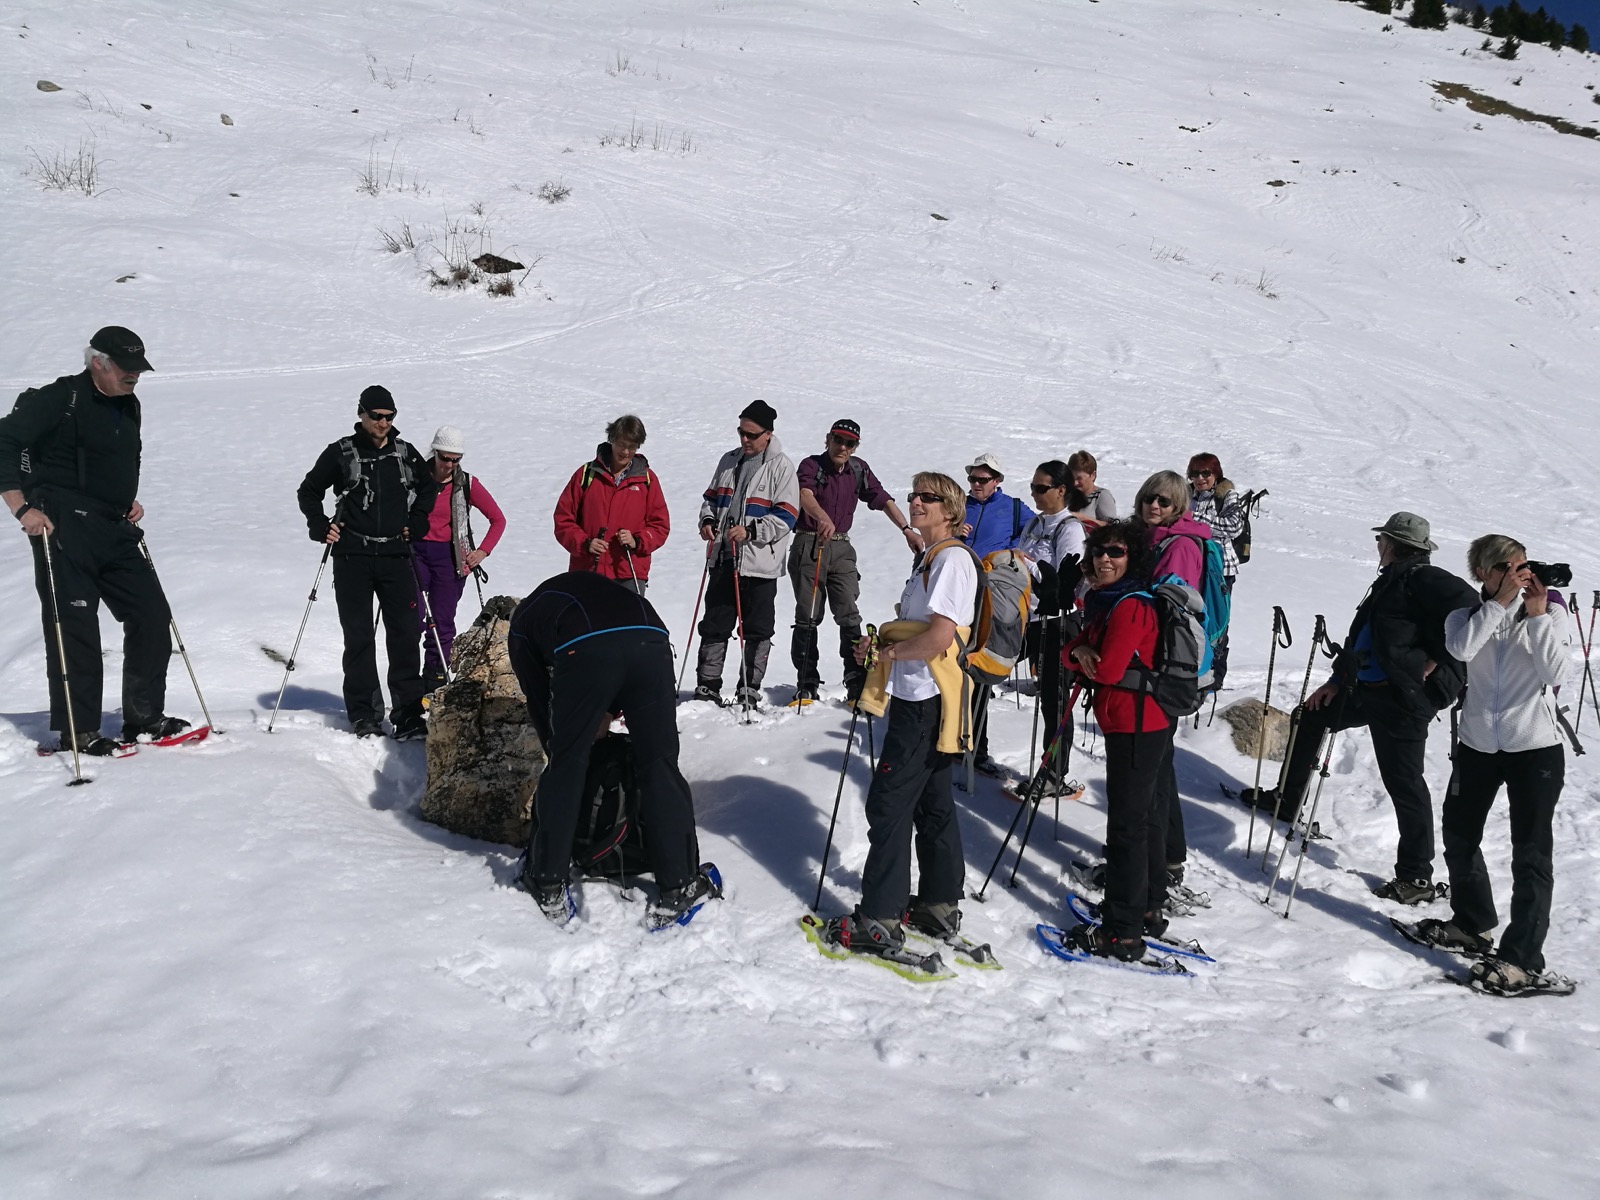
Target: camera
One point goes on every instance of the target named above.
(1552, 575)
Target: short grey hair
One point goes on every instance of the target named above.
(1167, 484)
(92, 356)
(1490, 549)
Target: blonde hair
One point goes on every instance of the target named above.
(1492, 548)
(1167, 484)
(951, 497)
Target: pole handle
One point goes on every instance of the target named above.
(1281, 633)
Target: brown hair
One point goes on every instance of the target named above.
(1082, 460)
(628, 429)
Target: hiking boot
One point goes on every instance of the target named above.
(711, 693)
(854, 681)
(803, 696)
(1091, 877)
(554, 900)
(747, 697)
(433, 679)
(368, 727)
(1155, 926)
(1093, 939)
(673, 903)
(410, 725)
(1174, 875)
(935, 920)
(91, 744)
(986, 765)
(864, 935)
(1410, 891)
(1499, 978)
(161, 727)
(1447, 935)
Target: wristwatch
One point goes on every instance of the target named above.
(25, 507)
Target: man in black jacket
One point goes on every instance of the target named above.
(1393, 675)
(384, 493)
(69, 471)
(585, 647)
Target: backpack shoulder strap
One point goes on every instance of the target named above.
(1016, 519)
(859, 470)
(352, 462)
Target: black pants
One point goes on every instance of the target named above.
(627, 671)
(1044, 651)
(357, 580)
(910, 794)
(1136, 821)
(1533, 780)
(1399, 741)
(97, 557)
(757, 599)
(1176, 837)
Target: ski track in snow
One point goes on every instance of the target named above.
(247, 967)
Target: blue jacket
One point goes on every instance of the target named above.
(996, 522)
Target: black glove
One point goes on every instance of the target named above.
(319, 527)
(1048, 590)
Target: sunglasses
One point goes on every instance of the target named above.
(1158, 501)
(1039, 489)
(925, 497)
(848, 442)
(1506, 566)
(372, 416)
(980, 480)
(746, 436)
(448, 458)
(1201, 474)
(1109, 552)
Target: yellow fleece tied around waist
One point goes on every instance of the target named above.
(955, 689)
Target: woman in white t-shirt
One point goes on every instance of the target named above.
(911, 789)
(1053, 538)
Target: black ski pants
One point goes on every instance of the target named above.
(358, 579)
(1533, 781)
(1136, 822)
(757, 599)
(910, 799)
(1044, 651)
(96, 557)
(628, 671)
(1399, 741)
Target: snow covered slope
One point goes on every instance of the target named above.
(248, 969)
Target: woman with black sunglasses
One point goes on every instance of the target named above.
(917, 677)
(1118, 639)
(1053, 542)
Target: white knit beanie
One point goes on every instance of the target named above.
(449, 439)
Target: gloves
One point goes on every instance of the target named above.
(1048, 590)
(319, 527)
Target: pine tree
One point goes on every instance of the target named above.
(1428, 14)
(1479, 16)
(1508, 49)
(1499, 21)
(1380, 6)
(1578, 39)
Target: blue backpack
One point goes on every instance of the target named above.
(1213, 594)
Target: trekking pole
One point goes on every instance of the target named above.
(480, 577)
(432, 627)
(872, 749)
(1587, 682)
(628, 554)
(144, 549)
(849, 740)
(327, 550)
(698, 596)
(1594, 697)
(78, 777)
(599, 537)
(1281, 638)
(1319, 641)
(811, 612)
(738, 613)
(1032, 795)
(1311, 823)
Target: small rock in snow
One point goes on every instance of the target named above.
(44, 85)
(226, 119)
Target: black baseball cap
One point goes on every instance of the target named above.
(125, 347)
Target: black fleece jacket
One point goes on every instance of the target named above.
(67, 435)
(375, 508)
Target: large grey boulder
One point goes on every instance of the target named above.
(1245, 716)
(483, 755)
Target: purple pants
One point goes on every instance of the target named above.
(437, 580)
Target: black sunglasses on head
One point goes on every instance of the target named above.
(1109, 552)
(1158, 501)
(925, 497)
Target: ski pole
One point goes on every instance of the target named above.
(738, 613)
(1319, 641)
(78, 777)
(479, 577)
(872, 749)
(849, 741)
(811, 610)
(178, 637)
(310, 600)
(599, 537)
(698, 596)
(628, 554)
(1281, 638)
(432, 627)
(1032, 795)
(1311, 823)
(1587, 682)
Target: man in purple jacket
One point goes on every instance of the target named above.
(822, 562)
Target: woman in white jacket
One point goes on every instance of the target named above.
(1516, 645)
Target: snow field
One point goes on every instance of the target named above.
(246, 968)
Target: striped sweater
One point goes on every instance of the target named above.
(761, 493)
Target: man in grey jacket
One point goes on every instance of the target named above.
(746, 516)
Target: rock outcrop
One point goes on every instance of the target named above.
(483, 756)
(1245, 717)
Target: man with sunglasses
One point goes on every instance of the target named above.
(994, 520)
(1393, 675)
(822, 562)
(384, 492)
(746, 515)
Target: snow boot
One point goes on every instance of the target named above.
(1496, 977)
(1093, 939)
(1411, 891)
(935, 920)
(864, 935)
(748, 698)
(410, 724)
(91, 744)
(674, 902)
(161, 727)
(1447, 935)
(555, 900)
(709, 690)
(368, 727)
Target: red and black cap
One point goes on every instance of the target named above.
(846, 428)
(124, 346)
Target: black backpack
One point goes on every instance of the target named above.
(609, 842)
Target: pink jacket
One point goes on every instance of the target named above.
(1179, 555)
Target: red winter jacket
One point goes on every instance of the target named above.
(594, 499)
(1129, 629)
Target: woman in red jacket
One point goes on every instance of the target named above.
(611, 515)
(1120, 633)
